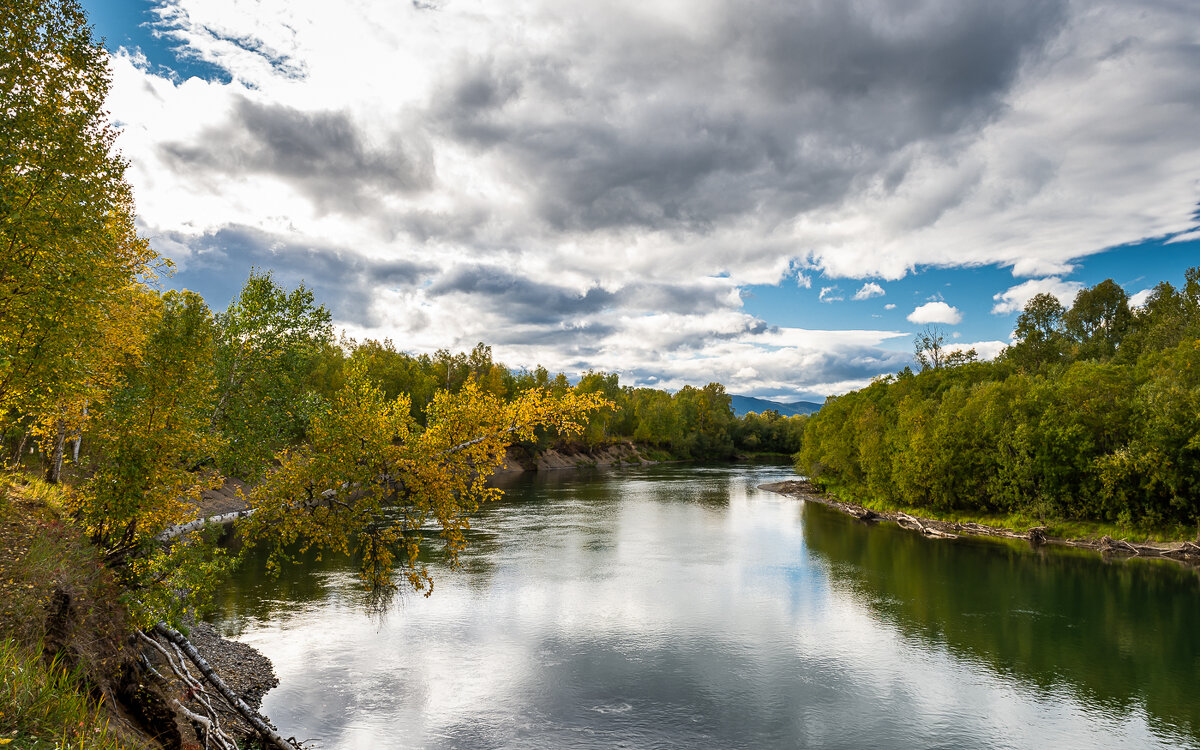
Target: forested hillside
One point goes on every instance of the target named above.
(1094, 413)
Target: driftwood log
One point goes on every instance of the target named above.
(906, 520)
(255, 719)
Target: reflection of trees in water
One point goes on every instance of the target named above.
(532, 507)
(1116, 634)
(253, 594)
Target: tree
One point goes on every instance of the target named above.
(268, 341)
(1099, 320)
(149, 432)
(1168, 317)
(929, 348)
(706, 420)
(1041, 337)
(370, 478)
(606, 385)
(68, 247)
(657, 418)
(91, 370)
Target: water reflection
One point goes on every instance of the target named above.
(1119, 635)
(677, 606)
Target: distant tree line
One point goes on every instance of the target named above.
(1092, 413)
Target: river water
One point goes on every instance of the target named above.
(680, 607)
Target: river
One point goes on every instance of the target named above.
(678, 606)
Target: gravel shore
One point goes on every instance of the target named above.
(243, 668)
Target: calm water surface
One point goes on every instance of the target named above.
(680, 607)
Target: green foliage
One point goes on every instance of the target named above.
(1040, 334)
(397, 373)
(706, 421)
(268, 344)
(1092, 415)
(769, 432)
(172, 584)
(656, 420)
(1099, 320)
(604, 424)
(149, 433)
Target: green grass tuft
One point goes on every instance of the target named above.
(46, 705)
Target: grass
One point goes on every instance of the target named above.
(44, 702)
(656, 454)
(46, 705)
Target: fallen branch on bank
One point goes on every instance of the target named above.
(906, 520)
(209, 722)
(252, 717)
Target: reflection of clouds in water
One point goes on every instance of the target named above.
(635, 613)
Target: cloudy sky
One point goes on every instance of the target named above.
(772, 194)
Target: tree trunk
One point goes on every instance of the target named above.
(79, 436)
(54, 471)
(20, 451)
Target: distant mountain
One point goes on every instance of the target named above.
(743, 405)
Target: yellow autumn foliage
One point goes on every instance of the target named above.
(370, 478)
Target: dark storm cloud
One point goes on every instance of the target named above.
(945, 59)
(220, 261)
(683, 298)
(781, 108)
(519, 298)
(322, 154)
(584, 340)
(524, 300)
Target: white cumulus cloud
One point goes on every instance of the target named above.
(830, 294)
(869, 290)
(1139, 299)
(1014, 298)
(935, 312)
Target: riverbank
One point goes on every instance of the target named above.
(74, 665)
(1187, 552)
(520, 458)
